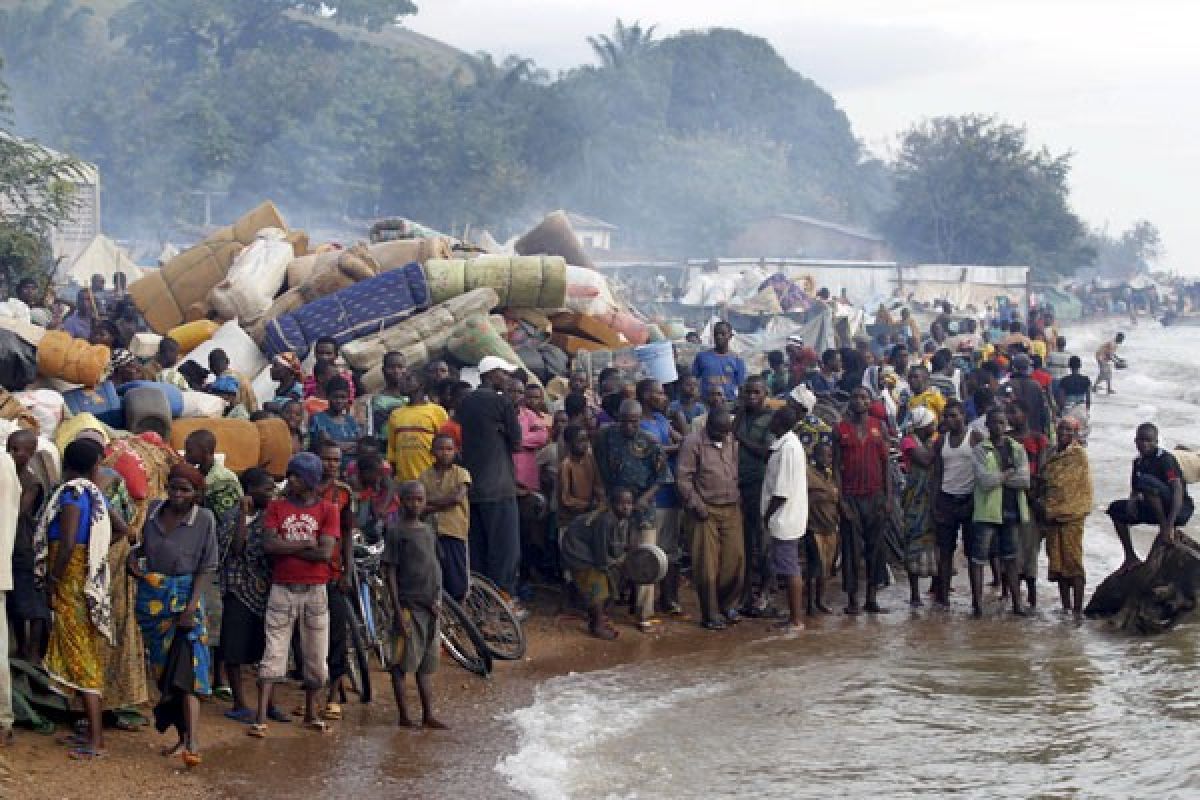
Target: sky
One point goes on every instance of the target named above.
(1112, 82)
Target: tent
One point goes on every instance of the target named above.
(102, 256)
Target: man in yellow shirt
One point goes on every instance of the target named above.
(923, 395)
(411, 429)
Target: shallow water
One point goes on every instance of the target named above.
(913, 703)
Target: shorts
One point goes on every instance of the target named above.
(243, 637)
(786, 558)
(952, 513)
(452, 555)
(291, 607)
(415, 642)
(1143, 514)
(26, 601)
(986, 538)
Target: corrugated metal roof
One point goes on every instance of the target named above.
(583, 221)
(832, 226)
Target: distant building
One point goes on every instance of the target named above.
(594, 234)
(797, 236)
(73, 236)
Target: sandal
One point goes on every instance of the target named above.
(317, 725)
(258, 731)
(332, 712)
(85, 753)
(191, 760)
(223, 693)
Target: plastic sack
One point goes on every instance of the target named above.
(254, 278)
(244, 355)
(588, 292)
(202, 404)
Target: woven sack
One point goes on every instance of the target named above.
(72, 360)
(447, 278)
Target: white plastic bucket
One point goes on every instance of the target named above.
(658, 361)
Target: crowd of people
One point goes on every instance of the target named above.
(756, 489)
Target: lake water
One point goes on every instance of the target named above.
(917, 703)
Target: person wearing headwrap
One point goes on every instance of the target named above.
(1065, 499)
(288, 374)
(917, 451)
(123, 367)
(300, 533)
(178, 562)
(810, 429)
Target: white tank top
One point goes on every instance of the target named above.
(958, 466)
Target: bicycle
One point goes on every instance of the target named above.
(494, 617)
(462, 638)
(372, 614)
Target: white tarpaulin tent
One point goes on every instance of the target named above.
(102, 256)
(965, 285)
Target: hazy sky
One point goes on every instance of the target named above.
(1115, 82)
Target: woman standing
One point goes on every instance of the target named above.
(176, 562)
(71, 555)
(920, 544)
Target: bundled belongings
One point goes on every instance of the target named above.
(476, 337)
(266, 443)
(18, 361)
(103, 401)
(331, 272)
(72, 360)
(397, 228)
(429, 330)
(243, 353)
(521, 282)
(555, 236)
(179, 291)
(255, 277)
(170, 392)
(364, 308)
(147, 409)
(191, 335)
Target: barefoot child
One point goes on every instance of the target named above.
(823, 521)
(414, 579)
(593, 547)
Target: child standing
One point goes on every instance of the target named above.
(336, 423)
(414, 580)
(447, 507)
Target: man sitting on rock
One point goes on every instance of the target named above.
(1158, 495)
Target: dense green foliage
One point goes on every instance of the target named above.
(970, 190)
(677, 141)
(1129, 252)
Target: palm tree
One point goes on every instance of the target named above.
(627, 42)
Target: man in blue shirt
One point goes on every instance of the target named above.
(718, 366)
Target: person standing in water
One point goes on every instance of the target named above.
(861, 458)
(1066, 500)
(1105, 357)
(1001, 478)
(953, 493)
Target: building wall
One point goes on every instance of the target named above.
(779, 237)
(70, 238)
(598, 239)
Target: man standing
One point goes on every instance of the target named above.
(628, 458)
(953, 493)
(1105, 356)
(784, 500)
(752, 430)
(1157, 494)
(861, 459)
(1029, 394)
(708, 484)
(719, 367)
(490, 435)
(825, 382)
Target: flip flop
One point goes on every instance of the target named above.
(191, 760)
(317, 725)
(257, 731)
(223, 693)
(244, 715)
(85, 753)
(332, 712)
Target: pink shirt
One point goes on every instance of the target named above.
(535, 434)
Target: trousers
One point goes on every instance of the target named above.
(495, 541)
(862, 542)
(718, 559)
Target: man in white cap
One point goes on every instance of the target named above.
(490, 435)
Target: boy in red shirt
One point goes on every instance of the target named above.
(299, 536)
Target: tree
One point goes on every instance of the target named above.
(627, 43)
(970, 190)
(1130, 253)
(36, 195)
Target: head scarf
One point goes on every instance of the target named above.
(289, 362)
(308, 468)
(188, 473)
(804, 398)
(922, 417)
(120, 359)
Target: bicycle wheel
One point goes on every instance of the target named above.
(358, 666)
(381, 613)
(492, 614)
(462, 639)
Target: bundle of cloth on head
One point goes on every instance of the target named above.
(922, 417)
